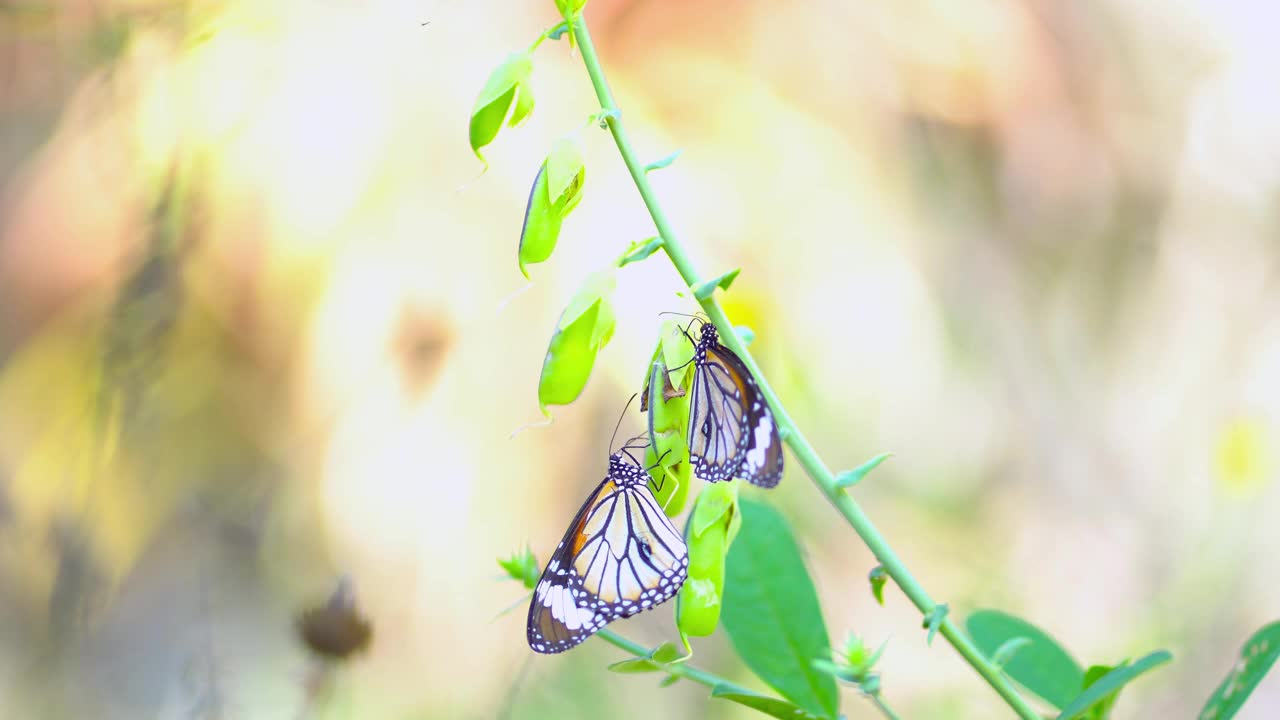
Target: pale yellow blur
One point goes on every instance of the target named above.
(1029, 247)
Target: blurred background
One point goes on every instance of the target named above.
(261, 326)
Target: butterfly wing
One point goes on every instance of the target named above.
(717, 417)
(620, 556)
(731, 429)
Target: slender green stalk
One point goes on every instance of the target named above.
(702, 677)
(883, 707)
(800, 447)
(689, 672)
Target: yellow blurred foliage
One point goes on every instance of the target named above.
(1243, 456)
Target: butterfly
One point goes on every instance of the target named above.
(620, 556)
(731, 429)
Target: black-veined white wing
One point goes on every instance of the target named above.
(620, 556)
(731, 429)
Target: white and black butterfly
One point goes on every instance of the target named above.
(732, 433)
(620, 556)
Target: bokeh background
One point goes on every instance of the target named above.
(261, 325)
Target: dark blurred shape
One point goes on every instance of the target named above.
(79, 584)
(336, 631)
(419, 344)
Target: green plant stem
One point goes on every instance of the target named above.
(689, 672)
(883, 707)
(791, 435)
(702, 677)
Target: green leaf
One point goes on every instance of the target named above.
(849, 478)
(522, 566)
(669, 680)
(677, 353)
(1043, 667)
(1102, 708)
(767, 705)
(541, 224)
(634, 665)
(671, 478)
(663, 655)
(556, 191)
(584, 328)
(1112, 682)
(524, 106)
(1256, 658)
(771, 611)
(570, 8)
(703, 291)
(877, 576)
(565, 173)
(934, 619)
(556, 32)
(664, 162)
(745, 334)
(709, 533)
(505, 88)
(640, 251)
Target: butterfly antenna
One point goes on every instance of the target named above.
(614, 436)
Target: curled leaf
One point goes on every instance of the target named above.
(640, 250)
(556, 191)
(849, 478)
(584, 328)
(703, 291)
(878, 576)
(709, 532)
(505, 98)
(664, 162)
(934, 619)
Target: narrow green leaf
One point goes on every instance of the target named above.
(703, 291)
(934, 619)
(1042, 667)
(541, 226)
(669, 680)
(878, 576)
(1256, 658)
(664, 162)
(849, 478)
(771, 611)
(494, 104)
(1102, 708)
(640, 251)
(772, 707)
(1112, 682)
(634, 665)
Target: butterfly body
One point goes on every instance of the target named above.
(732, 432)
(620, 556)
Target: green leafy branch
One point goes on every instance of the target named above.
(762, 574)
(791, 435)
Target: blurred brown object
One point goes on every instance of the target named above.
(336, 631)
